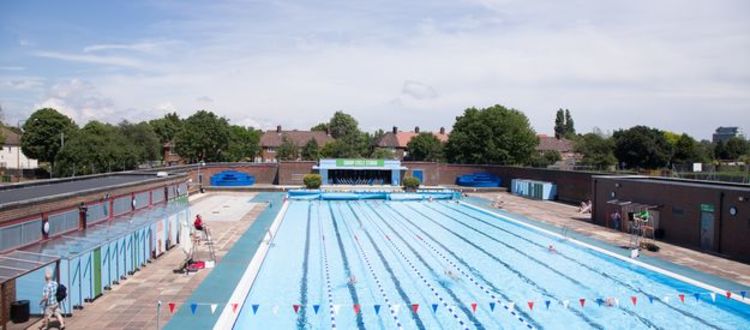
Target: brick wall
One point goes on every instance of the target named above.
(679, 212)
(264, 173)
(291, 173)
(8, 297)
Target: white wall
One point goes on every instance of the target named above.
(10, 155)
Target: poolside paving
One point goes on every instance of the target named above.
(132, 304)
(567, 216)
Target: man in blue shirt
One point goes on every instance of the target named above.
(49, 302)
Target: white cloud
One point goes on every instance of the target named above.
(143, 47)
(80, 101)
(91, 59)
(12, 68)
(418, 90)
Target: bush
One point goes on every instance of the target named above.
(312, 181)
(650, 246)
(410, 183)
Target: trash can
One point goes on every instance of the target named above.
(19, 311)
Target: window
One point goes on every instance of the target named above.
(63, 222)
(20, 234)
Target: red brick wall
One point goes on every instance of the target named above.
(5, 301)
(264, 173)
(679, 212)
(291, 173)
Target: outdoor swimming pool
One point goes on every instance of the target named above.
(444, 265)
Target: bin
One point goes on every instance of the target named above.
(19, 311)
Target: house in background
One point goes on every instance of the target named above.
(11, 156)
(171, 157)
(272, 139)
(397, 141)
(563, 146)
(723, 134)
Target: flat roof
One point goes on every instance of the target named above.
(682, 182)
(48, 188)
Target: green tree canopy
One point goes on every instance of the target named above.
(244, 144)
(642, 147)
(687, 151)
(42, 134)
(564, 125)
(96, 148)
(425, 147)
(492, 135)
(382, 153)
(321, 127)
(343, 125)
(570, 126)
(287, 150)
(311, 150)
(545, 159)
(167, 127)
(204, 136)
(597, 150)
(734, 148)
(143, 138)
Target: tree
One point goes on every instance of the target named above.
(597, 150)
(287, 150)
(143, 138)
(492, 135)
(735, 147)
(204, 136)
(570, 127)
(342, 125)
(167, 127)
(311, 150)
(545, 159)
(244, 144)
(321, 127)
(560, 124)
(382, 153)
(687, 151)
(642, 147)
(425, 147)
(44, 133)
(96, 148)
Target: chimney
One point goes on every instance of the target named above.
(395, 129)
(442, 130)
(278, 129)
(416, 129)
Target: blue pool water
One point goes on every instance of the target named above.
(462, 268)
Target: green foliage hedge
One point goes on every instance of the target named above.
(312, 181)
(410, 183)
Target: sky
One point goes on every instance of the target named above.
(681, 65)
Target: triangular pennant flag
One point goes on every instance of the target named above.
(729, 294)
(255, 308)
(336, 308)
(356, 308)
(296, 308)
(434, 308)
(651, 299)
(546, 303)
(377, 309)
(682, 297)
(316, 308)
(713, 296)
(171, 307)
(743, 294)
(599, 301)
(582, 301)
(697, 296)
(531, 305)
(492, 306)
(474, 307)
(193, 307)
(415, 308)
(213, 308)
(511, 305)
(396, 308)
(566, 303)
(275, 309)
(617, 302)
(234, 307)
(666, 299)
(634, 299)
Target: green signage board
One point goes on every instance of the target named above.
(360, 162)
(707, 207)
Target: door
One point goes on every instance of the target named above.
(707, 227)
(419, 174)
(97, 272)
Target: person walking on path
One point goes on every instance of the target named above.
(50, 305)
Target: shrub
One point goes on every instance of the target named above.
(650, 246)
(410, 183)
(312, 181)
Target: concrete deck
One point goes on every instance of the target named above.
(566, 217)
(132, 304)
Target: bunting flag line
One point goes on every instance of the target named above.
(634, 299)
(193, 307)
(171, 307)
(255, 308)
(415, 308)
(729, 294)
(582, 301)
(492, 306)
(213, 308)
(511, 305)
(377, 309)
(713, 296)
(651, 299)
(599, 301)
(743, 294)
(566, 303)
(546, 303)
(336, 308)
(234, 307)
(531, 305)
(356, 308)
(682, 297)
(296, 308)
(434, 308)
(316, 308)
(697, 296)
(474, 307)
(396, 308)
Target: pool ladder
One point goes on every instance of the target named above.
(210, 243)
